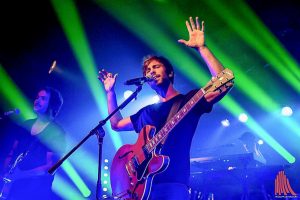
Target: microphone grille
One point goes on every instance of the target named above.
(150, 77)
(17, 111)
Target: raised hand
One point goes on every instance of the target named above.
(108, 80)
(196, 34)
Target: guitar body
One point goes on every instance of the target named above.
(5, 188)
(133, 168)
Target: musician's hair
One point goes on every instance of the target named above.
(247, 136)
(55, 101)
(169, 68)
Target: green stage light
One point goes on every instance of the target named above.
(73, 28)
(14, 96)
(65, 190)
(270, 40)
(77, 180)
(241, 18)
(89, 169)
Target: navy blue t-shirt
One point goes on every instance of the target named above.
(178, 143)
(51, 139)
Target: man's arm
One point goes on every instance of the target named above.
(197, 41)
(118, 123)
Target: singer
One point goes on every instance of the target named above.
(39, 144)
(172, 181)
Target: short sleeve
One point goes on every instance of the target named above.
(136, 120)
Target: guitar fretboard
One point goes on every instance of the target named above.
(168, 127)
(221, 79)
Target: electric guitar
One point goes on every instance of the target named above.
(134, 166)
(7, 179)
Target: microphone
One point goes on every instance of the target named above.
(10, 112)
(139, 81)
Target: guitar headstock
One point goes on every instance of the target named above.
(224, 78)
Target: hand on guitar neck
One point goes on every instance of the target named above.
(217, 95)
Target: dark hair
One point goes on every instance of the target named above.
(247, 136)
(55, 101)
(162, 60)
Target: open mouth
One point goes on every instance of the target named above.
(155, 77)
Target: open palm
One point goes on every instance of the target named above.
(196, 34)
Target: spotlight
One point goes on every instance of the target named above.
(286, 111)
(260, 142)
(225, 123)
(243, 117)
(106, 160)
(105, 167)
(155, 99)
(127, 93)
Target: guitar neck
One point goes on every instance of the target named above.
(220, 80)
(168, 127)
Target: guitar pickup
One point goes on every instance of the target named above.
(135, 162)
(130, 168)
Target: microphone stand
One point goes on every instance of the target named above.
(100, 133)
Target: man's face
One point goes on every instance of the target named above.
(157, 70)
(41, 102)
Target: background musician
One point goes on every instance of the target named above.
(250, 145)
(39, 144)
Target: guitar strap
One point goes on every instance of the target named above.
(173, 111)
